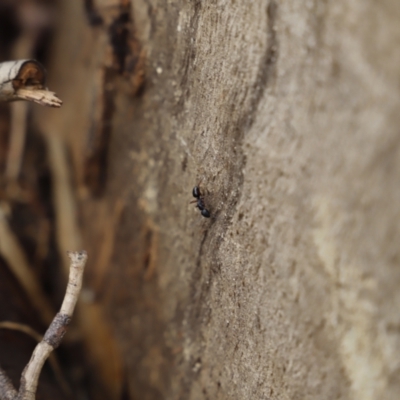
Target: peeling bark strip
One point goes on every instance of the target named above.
(54, 335)
(25, 80)
(52, 338)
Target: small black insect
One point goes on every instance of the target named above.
(200, 202)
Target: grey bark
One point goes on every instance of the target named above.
(287, 113)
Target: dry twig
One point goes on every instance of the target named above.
(52, 337)
(25, 80)
(26, 329)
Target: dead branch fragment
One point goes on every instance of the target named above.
(25, 80)
(52, 337)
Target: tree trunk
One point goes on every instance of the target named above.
(286, 114)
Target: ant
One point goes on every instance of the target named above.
(200, 202)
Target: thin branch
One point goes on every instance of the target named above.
(16, 326)
(25, 80)
(23, 48)
(19, 121)
(68, 233)
(13, 253)
(56, 330)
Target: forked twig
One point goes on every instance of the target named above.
(52, 337)
(27, 330)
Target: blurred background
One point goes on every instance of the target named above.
(286, 114)
(32, 276)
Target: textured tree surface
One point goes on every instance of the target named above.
(287, 114)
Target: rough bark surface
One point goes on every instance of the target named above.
(287, 113)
